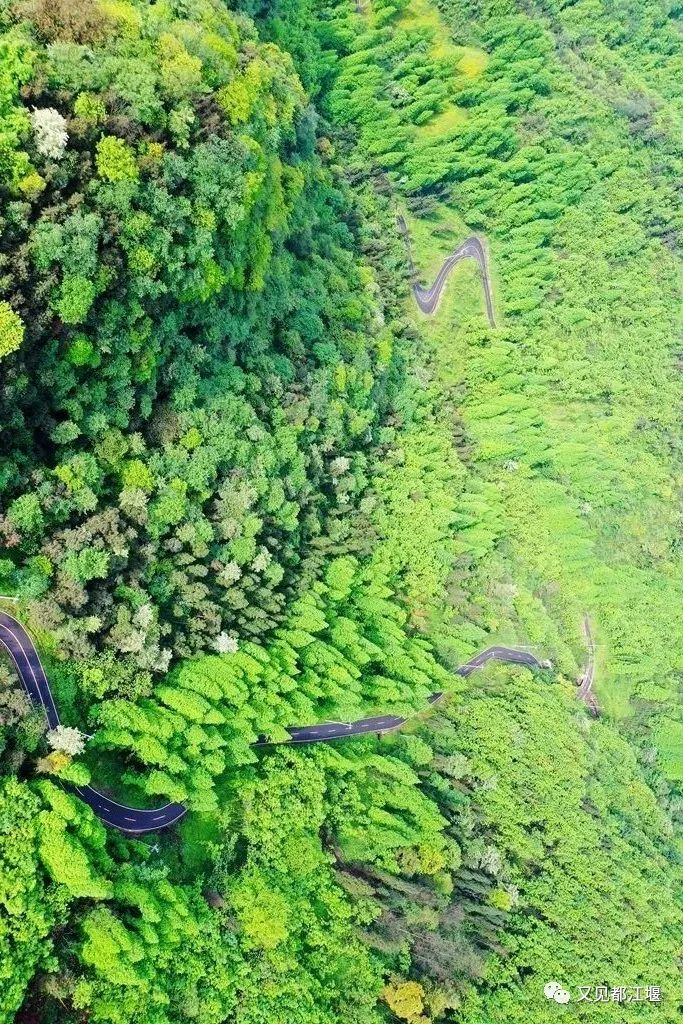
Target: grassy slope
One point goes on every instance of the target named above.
(589, 516)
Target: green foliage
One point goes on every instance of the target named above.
(114, 160)
(578, 830)
(25, 513)
(11, 329)
(52, 851)
(90, 108)
(29, 905)
(75, 299)
(120, 983)
(17, 66)
(245, 487)
(86, 565)
(405, 999)
(210, 301)
(342, 652)
(567, 410)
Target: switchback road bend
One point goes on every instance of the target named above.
(22, 651)
(428, 299)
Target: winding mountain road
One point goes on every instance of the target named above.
(428, 299)
(22, 651)
(387, 723)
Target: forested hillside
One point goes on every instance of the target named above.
(245, 485)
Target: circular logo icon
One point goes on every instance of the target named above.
(553, 990)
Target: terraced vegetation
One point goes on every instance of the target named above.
(246, 483)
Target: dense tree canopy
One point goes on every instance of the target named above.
(244, 485)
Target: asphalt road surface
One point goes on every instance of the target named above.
(22, 651)
(386, 723)
(428, 299)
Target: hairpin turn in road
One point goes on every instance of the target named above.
(428, 299)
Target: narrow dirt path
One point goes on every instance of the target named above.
(587, 678)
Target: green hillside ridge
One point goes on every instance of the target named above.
(245, 484)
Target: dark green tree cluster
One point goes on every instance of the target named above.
(195, 380)
(244, 487)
